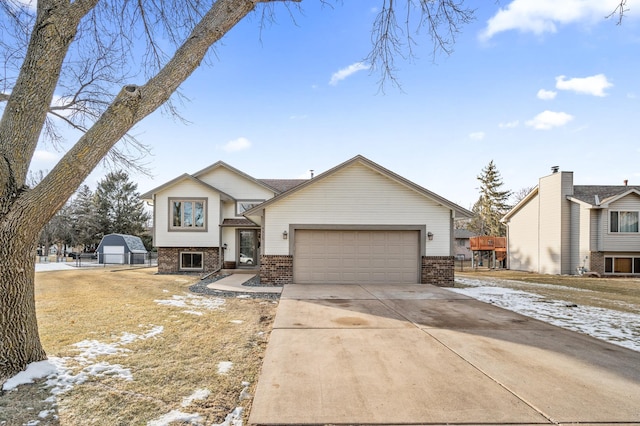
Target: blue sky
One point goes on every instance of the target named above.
(531, 84)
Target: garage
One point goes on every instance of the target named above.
(121, 249)
(356, 256)
(113, 254)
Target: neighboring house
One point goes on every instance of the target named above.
(355, 223)
(462, 245)
(560, 227)
(121, 249)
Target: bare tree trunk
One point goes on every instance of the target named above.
(19, 339)
(24, 212)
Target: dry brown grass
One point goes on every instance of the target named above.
(97, 304)
(621, 294)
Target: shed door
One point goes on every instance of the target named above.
(356, 257)
(113, 254)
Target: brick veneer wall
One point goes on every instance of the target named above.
(276, 269)
(597, 262)
(437, 270)
(169, 258)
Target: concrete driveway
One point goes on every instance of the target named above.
(419, 354)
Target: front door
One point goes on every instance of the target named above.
(248, 248)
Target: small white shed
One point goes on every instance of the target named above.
(121, 249)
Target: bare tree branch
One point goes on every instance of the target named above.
(620, 10)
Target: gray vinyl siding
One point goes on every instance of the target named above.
(580, 236)
(597, 228)
(621, 242)
(585, 234)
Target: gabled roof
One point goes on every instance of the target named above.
(219, 164)
(462, 212)
(463, 233)
(282, 185)
(520, 204)
(602, 195)
(239, 222)
(149, 194)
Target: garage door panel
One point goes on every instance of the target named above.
(343, 256)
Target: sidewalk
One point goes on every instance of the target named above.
(418, 354)
(234, 283)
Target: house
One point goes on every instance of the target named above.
(462, 245)
(121, 249)
(357, 222)
(561, 228)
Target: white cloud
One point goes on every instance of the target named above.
(509, 124)
(346, 72)
(235, 145)
(45, 156)
(546, 95)
(594, 85)
(477, 136)
(543, 16)
(549, 119)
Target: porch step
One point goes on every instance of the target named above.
(239, 271)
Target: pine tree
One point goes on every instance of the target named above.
(118, 206)
(492, 205)
(84, 217)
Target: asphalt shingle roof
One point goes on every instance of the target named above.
(587, 193)
(282, 185)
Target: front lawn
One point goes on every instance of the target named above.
(132, 347)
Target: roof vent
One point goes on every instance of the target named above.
(311, 173)
(554, 169)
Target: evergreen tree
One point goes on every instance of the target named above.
(84, 217)
(492, 205)
(118, 207)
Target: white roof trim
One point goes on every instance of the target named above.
(149, 194)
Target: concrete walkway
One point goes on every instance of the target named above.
(234, 283)
(418, 354)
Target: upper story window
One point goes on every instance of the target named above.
(622, 221)
(244, 205)
(188, 214)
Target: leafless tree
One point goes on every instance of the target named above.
(73, 63)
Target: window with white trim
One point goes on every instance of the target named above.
(623, 221)
(191, 261)
(244, 205)
(188, 214)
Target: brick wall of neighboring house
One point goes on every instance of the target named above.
(276, 269)
(437, 270)
(169, 258)
(597, 262)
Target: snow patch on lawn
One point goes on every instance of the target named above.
(620, 328)
(197, 395)
(34, 371)
(176, 416)
(60, 376)
(224, 367)
(193, 304)
(233, 419)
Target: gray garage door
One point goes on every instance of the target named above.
(356, 257)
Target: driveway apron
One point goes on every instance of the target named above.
(420, 354)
